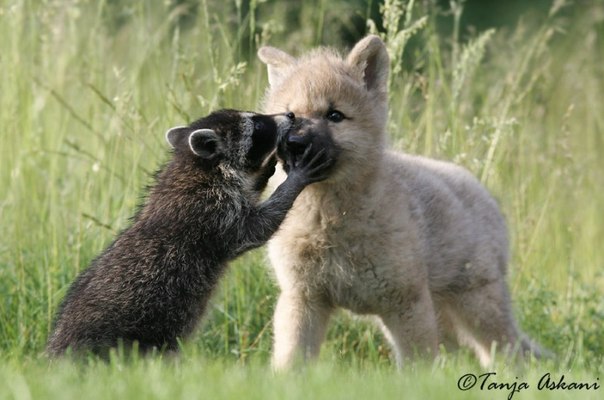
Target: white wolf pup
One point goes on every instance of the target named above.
(418, 243)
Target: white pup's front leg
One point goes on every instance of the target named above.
(300, 326)
(412, 329)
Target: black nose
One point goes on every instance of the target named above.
(297, 143)
(290, 115)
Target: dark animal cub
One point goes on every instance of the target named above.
(152, 284)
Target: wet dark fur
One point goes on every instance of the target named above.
(153, 283)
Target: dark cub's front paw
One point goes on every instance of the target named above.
(310, 165)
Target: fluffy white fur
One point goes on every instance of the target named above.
(416, 242)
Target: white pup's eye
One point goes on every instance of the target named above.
(335, 116)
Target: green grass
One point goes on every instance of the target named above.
(89, 88)
(192, 377)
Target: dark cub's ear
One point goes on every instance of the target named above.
(174, 135)
(205, 143)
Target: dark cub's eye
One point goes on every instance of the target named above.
(335, 116)
(258, 125)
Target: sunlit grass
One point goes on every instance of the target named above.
(86, 97)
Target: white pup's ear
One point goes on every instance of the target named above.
(173, 134)
(277, 62)
(370, 57)
(205, 143)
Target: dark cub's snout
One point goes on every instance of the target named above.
(266, 132)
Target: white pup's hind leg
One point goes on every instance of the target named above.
(300, 326)
(482, 317)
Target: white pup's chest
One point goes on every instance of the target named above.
(347, 265)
